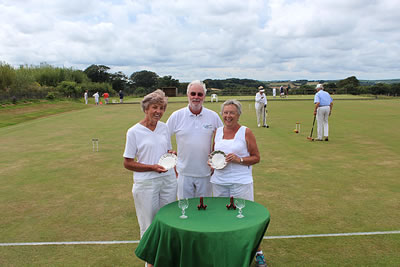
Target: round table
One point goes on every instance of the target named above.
(211, 237)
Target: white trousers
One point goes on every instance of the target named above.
(322, 120)
(151, 195)
(190, 186)
(260, 114)
(234, 190)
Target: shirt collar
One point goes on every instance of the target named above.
(193, 115)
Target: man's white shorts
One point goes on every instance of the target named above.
(150, 195)
(190, 186)
(245, 191)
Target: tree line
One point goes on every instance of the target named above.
(46, 81)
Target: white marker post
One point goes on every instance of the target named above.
(95, 142)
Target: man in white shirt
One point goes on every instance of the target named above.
(261, 105)
(323, 109)
(193, 127)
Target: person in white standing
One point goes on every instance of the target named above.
(323, 109)
(261, 105)
(274, 92)
(96, 98)
(193, 127)
(146, 141)
(85, 95)
(239, 144)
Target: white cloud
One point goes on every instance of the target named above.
(190, 39)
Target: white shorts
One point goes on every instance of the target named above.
(190, 186)
(151, 195)
(234, 190)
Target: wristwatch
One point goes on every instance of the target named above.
(241, 160)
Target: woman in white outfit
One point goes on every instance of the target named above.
(239, 144)
(147, 141)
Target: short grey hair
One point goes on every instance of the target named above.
(196, 82)
(232, 102)
(156, 97)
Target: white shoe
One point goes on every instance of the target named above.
(259, 125)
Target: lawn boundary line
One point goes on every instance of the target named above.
(137, 241)
(69, 243)
(332, 235)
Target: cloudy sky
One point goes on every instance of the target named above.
(199, 39)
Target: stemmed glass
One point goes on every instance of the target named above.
(183, 204)
(240, 203)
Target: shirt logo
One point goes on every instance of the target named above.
(208, 126)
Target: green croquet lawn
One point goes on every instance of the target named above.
(54, 188)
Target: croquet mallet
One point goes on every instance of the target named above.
(312, 129)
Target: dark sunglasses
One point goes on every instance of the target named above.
(198, 94)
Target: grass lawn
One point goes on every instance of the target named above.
(53, 187)
(14, 114)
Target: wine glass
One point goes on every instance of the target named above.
(240, 203)
(183, 204)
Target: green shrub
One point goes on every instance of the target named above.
(140, 91)
(50, 96)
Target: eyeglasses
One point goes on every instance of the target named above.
(198, 94)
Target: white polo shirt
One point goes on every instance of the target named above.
(148, 146)
(194, 139)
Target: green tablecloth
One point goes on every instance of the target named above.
(211, 237)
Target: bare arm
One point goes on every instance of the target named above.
(213, 141)
(133, 165)
(212, 149)
(251, 147)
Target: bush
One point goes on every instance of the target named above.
(50, 96)
(7, 76)
(140, 91)
(69, 89)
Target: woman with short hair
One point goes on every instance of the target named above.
(146, 142)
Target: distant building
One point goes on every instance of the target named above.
(170, 91)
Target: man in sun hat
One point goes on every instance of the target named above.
(323, 109)
(261, 106)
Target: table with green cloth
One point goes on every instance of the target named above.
(211, 237)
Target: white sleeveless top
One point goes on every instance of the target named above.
(233, 173)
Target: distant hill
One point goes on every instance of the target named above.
(371, 82)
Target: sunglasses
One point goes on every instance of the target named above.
(198, 94)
